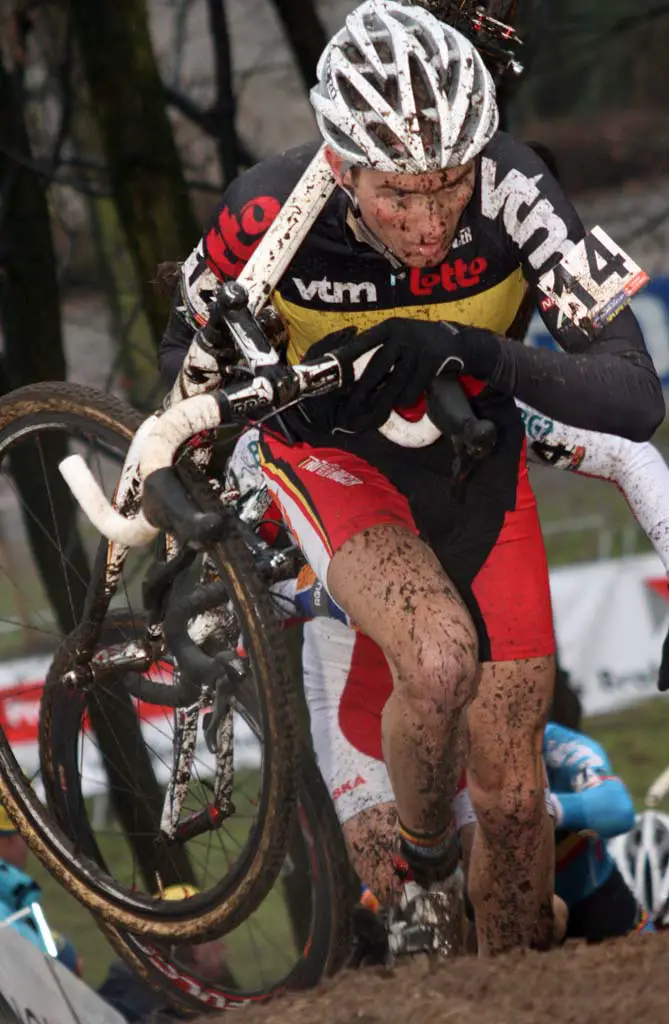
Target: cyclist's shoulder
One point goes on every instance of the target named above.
(520, 206)
(508, 153)
(511, 174)
(569, 750)
(251, 203)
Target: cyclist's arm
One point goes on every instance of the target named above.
(176, 340)
(637, 469)
(596, 800)
(249, 205)
(608, 384)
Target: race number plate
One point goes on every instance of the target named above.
(199, 286)
(593, 282)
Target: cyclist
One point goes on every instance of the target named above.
(426, 248)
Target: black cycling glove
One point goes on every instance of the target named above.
(411, 354)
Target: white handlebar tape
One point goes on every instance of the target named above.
(398, 430)
(154, 446)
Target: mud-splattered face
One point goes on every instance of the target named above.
(415, 215)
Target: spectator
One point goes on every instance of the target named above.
(20, 898)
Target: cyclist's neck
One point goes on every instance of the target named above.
(368, 237)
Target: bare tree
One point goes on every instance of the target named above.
(224, 108)
(30, 310)
(305, 33)
(29, 290)
(142, 158)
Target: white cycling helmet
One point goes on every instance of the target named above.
(642, 856)
(400, 91)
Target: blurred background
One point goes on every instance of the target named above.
(121, 122)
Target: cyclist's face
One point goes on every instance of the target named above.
(415, 215)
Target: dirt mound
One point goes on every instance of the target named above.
(615, 983)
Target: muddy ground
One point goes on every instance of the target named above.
(618, 982)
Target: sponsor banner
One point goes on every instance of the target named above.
(652, 311)
(611, 618)
(21, 685)
(34, 989)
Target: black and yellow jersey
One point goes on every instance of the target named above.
(517, 225)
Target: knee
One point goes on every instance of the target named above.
(506, 800)
(439, 669)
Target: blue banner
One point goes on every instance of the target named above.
(651, 307)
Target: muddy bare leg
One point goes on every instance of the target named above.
(395, 590)
(511, 875)
(372, 841)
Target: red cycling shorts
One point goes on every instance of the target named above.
(492, 552)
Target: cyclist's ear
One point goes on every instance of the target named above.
(339, 167)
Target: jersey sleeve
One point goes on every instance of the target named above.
(249, 206)
(530, 214)
(608, 383)
(638, 470)
(589, 797)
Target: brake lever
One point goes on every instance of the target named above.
(450, 409)
(230, 310)
(472, 439)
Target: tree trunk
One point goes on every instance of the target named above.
(30, 308)
(28, 283)
(305, 33)
(224, 107)
(142, 157)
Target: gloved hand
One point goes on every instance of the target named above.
(412, 354)
(325, 411)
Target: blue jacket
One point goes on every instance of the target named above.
(592, 805)
(18, 890)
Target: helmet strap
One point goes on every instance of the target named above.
(366, 235)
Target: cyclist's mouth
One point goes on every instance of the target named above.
(431, 254)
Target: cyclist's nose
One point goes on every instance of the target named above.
(426, 223)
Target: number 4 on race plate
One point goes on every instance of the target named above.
(594, 281)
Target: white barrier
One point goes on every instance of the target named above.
(611, 618)
(34, 989)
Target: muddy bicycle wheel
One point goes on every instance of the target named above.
(269, 954)
(39, 425)
(299, 934)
